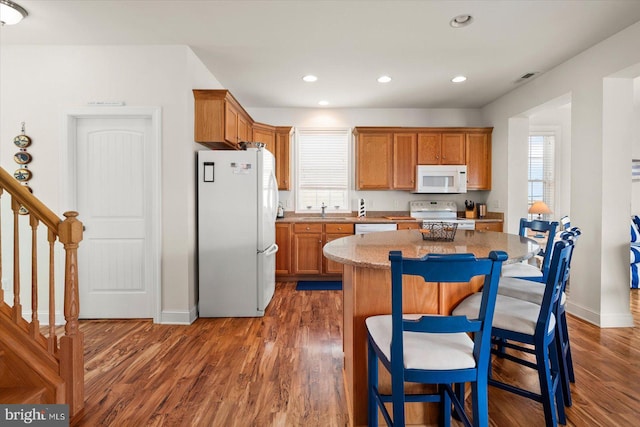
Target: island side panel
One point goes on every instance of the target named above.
(367, 292)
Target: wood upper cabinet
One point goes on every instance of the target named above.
(478, 160)
(374, 161)
(283, 240)
(283, 143)
(265, 134)
(386, 157)
(404, 161)
(220, 121)
(438, 148)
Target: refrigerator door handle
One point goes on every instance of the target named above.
(270, 250)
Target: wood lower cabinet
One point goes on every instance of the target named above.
(332, 232)
(283, 240)
(489, 226)
(307, 241)
(307, 248)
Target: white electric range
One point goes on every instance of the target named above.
(439, 210)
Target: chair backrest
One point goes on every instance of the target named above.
(445, 269)
(556, 281)
(573, 234)
(541, 226)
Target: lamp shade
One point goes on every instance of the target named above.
(539, 208)
(11, 13)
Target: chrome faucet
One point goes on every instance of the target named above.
(323, 207)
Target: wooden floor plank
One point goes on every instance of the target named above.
(285, 369)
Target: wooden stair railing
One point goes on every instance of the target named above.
(46, 351)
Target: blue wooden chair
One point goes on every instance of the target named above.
(533, 292)
(528, 271)
(565, 222)
(531, 328)
(433, 349)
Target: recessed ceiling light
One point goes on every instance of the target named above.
(458, 79)
(461, 21)
(323, 103)
(384, 79)
(309, 78)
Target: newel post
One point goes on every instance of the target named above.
(72, 343)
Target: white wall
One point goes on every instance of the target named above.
(635, 146)
(38, 83)
(375, 200)
(601, 123)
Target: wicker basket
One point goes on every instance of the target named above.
(439, 231)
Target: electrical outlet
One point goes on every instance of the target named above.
(495, 204)
(396, 204)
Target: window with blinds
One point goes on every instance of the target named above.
(541, 181)
(322, 169)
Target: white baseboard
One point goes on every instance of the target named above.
(179, 317)
(616, 320)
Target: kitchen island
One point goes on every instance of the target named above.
(367, 292)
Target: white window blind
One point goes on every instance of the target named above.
(322, 169)
(541, 168)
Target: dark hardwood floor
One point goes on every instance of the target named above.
(285, 369)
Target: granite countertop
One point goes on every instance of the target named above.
(380, 217)
(372, 250)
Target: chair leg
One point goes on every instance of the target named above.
(446, 406)
(480, 403)
(566, 350)
(560, 340)
(372, 369)
(546, 384)
(397, 391)
(557, 380)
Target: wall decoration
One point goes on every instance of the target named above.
(23, 158)
(22, 175)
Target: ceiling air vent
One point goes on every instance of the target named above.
(527, 76)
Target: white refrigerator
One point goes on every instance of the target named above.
(237, 206)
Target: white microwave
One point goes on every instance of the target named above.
(441, 179)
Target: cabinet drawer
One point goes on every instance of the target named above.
(307, 228)
(489, 226)
(408, 226)
(338, 228)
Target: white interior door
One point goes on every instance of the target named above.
(114, 202)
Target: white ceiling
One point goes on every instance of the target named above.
(261, 49)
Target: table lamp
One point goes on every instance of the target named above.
(539, 208)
